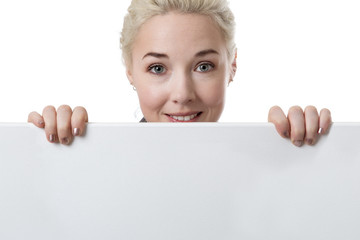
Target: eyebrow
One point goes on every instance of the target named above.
(206, 52)
(157, 55)
(163, 55)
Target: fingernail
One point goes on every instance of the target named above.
(286, 134)
(65, 141)
(41, 122)
(52, 137)
(76, 131)
(320, 130)
(298, 143)
(309, 141)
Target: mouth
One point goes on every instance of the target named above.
(184, 117)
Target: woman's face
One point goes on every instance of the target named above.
(180, 68)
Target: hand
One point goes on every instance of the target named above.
(61, 125)
(301, 126)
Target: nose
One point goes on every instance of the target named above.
(182, 89)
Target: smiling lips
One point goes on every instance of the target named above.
(184, 117)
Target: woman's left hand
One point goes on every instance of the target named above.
(301, 126)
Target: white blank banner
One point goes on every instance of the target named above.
(179, 181)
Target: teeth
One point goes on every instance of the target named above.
(184, 118)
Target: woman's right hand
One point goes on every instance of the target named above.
(61, 125)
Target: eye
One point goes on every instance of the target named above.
(205, 67)
(157, 69)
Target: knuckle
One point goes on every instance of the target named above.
(310, 108)
(80, 108)
(276, 114)
(274, 108)
(80, 115)
(49, 108)
(32, 113)
(325, 117)
(295, 109)
(325, 111)
(65, 108)
(31, 116)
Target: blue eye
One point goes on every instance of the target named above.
(205, 67)
(157, 69)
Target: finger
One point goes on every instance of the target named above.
(278, 118)
(325, 121)
(311, 124)
(297, 125)
(36, 119)
(64, 113)
(78, 120)
(49, 115)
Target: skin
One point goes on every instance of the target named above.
(181, 71)
(301, 126)
(61, 125)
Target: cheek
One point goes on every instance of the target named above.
(213, 94)
(151, 98)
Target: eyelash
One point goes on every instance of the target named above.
(205, 63)
(152, 67)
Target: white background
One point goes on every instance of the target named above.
(289, 52)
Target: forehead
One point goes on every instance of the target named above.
(179, 33)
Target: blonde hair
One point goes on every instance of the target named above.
(140, 11)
